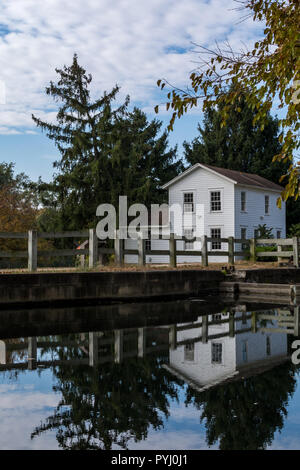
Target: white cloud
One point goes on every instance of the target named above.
(131, 43)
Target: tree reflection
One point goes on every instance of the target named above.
(108, 405)
(245, 415)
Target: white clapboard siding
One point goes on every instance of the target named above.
(230, 219)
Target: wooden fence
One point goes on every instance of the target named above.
(285, 248)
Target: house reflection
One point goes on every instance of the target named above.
(231, 344)
(206, 351)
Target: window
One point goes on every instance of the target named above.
(188, 234)
(245, 351)
(267, 204)
(256, 233)
(243, 201)
(148, 245)
(215, 201)
(216, 353)
(188, 202)
(244, 237)
(268, 346)
(215, 233)
(278, 234)
(189, 352)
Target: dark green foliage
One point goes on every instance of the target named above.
(239, 145)
(108, 405)
(105, 152)
(264, 232)
(244, 415)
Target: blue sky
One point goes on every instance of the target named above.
(131, 43)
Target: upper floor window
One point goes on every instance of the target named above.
(215, 201)
(245, 351)
(243, 201)
(268, 346)
(188, 202)
(267, 204)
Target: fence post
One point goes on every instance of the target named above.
(93, 349)
(118, 334)
(93, 248)
(141, 342)
(173, 337)
(230, 250)
(141, 248)
(32, 353)
(231, 325)
(172, 248)
(279, 248)
(204, 250)
(119, 250)
(252, 249)
(253, 322)
(32, 250)
(204, 330)
(295, 252)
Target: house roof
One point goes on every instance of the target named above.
(237, 177)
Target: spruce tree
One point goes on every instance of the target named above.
(81, 135)
(105, 153)
(239, 145)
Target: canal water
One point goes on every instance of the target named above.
(190, 374)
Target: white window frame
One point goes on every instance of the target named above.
(189, 352)
(215, 190)
(186, 203)
(211, 236)
(217, 362)
(189, 245)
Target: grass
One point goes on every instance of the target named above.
(239, 266)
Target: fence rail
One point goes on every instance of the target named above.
(285, 248)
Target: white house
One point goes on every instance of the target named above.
(204, 364)
(220, 203)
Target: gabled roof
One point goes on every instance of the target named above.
(237, 177)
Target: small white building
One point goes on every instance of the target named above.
(220, 203)
(204, 364)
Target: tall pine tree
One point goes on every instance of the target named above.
(105, 152)
(239, 145)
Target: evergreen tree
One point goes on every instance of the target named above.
(140, 161)
(105, 153)
(239, 145)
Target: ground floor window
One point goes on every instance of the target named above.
(188, 234)
(189, 352)
(216, 353)
(215, 233)
(244, 237)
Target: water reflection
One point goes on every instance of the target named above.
(116, 384)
